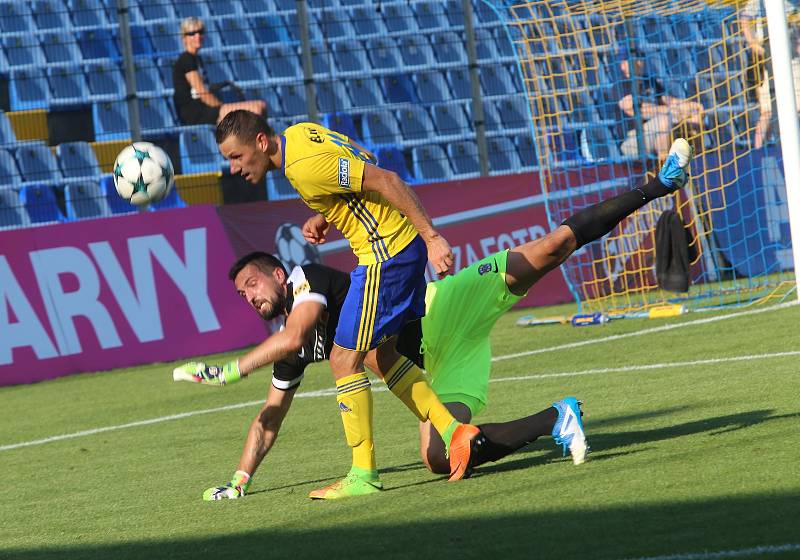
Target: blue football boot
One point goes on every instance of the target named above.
(568, 430)
(675, 172)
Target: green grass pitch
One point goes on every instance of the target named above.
(690, 458)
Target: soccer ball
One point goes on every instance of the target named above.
(293, 249)
(143, 173)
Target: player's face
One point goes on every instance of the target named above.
(266, 292)
(250, 160)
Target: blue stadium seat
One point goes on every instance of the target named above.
(455, 14)
(87, 13)
(485, 46)
(67, 85)
(399, 18)
(293, 100)
(513, 112)
(165, 38)
(365, 92)
(227, 8)
(28, 89)
(38, 164)
(235, 31)
(40, 202)
(9, 171)
(320, 59)
(383, 53)
(105, 80)
(597, 144)
(496, 80)
(187, 8)
(16, 17)
(380, 128)
(491, 118)
(77, 159)
(400, 89)
(343, 123)
(450, 119)
(504, 45)
(685, 30)
(156, 9)
(351, 57)
(393, 159)
(431, 163)
(365, 22)
(335, 25)
(293, 26)
(172, 200)
(654, 30)
(134, 15)
(415, 50)
(448, 46)
(140, 41)
(49, 14)
(464, 157)
(527, 151)
(199, 152)
(7, 135)
(148, 78)
(60, 46)
(460, 84)
(415, 124)
(85, 200)
(12, 211)
(23, 50)
(279, 187)
(247, 65)
(269, 28)
(155, 114)
(116, 204)
(111, 121)
(283, 61)
(216, 67)
(430, 15)
(268, 94)
(332, 97)
(98, 43)
(503, 155)
(165, 71)
(485, 14)
(258, 6)
(432, 87)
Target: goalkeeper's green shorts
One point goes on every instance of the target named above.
(460, 313)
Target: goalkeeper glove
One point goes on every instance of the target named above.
(198, 372)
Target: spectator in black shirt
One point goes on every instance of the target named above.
(193, 100)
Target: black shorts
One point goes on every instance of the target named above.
(197, 112)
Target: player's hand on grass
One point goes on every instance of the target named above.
(315, 230)
(198, 372)
(440, 255)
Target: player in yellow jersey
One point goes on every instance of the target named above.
(393, 238)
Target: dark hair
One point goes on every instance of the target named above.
(244, 125)
(264, 261)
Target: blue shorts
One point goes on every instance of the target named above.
(382, 298)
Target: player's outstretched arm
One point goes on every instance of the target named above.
(299, 326)
(393, 189)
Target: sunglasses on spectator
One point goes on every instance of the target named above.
(197, 32)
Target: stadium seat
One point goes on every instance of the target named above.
(279, 187)
(268, 94)
(49, 14)
(464, 157)
(685, 30)
(38, 164)
(185, 9)
(155, 114)
(380, 128)
(9, 171)
(258, 6)
(28, 89)
(60, 46)
(98, 43)
(269, 28)
(320, 59)
(485, 14)
(293, 100)
(116, 204)
(67, 85)
(7, 135)
(351, 57)
(513, 112)
(111, 121)
(491, 118)
(527, 151)
(448, 46)
(342, 123)
(415, 50)
(15, 17)
(172, 200)
(247, 65)
(460, 84)
(148, 78)
(455, 14)
(165, 38)
(140, 41)
(505, 48)
(415, 124)
(383, 53)
(335, 25)
(365, 92)
(216, 67)
(399, 18)
(199, 152)
(431, 163)
(450, 119)
(485, 46)
(496, 80)
(227, 8)
(77, 159)
(85, 201)
(332, 97)
(283, 61)
(87, 13)
(40, 203)
(235, 31)
(430, 15)
(23, 50)
(156, 9)
(105, 81)
(293, 26)
(503, 155)
(596, 144)
(365, 22)
(400, 89)
(432, 87)
(393, 159)
(164, 66)
(12, 211)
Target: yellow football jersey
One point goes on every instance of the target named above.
(326, 169)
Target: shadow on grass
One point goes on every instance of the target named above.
(599, 533)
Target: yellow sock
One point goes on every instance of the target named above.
(355, 404)
(407, 382)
